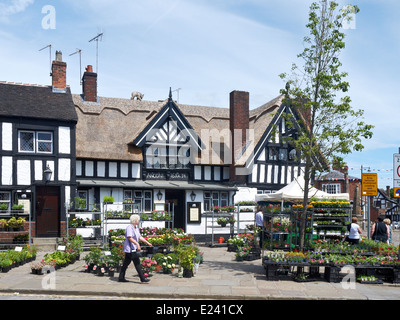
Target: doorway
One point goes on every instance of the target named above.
(177, 197)
(47, 212)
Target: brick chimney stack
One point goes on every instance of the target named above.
(59, 74)
(89, 85)
(239, 121)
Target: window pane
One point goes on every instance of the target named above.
(207, 205)
(44, 142)
(272, 154)
(44, 136)
(44, 146)
(283, 154)
(26, 141)
(147, 205)
(4, 196)
(127, 194)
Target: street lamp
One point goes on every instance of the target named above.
(47, 174)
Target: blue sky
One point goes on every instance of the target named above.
(208, 48)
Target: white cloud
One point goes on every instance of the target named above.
(11, 7)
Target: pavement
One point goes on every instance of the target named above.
(219, 277)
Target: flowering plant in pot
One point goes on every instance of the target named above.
(167, 264)
(148, 266)
(222, 221)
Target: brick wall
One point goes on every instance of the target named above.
(8, 236)
(89, 85)
(239, 120)
(59, 74)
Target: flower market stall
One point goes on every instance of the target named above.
(367, 259)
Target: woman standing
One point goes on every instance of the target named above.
(387, 222)
(355, 231)
(131, 249)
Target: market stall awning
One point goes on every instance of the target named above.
(154, 184)
(294, 191)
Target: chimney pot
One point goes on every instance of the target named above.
(58, 56)
(89, 68)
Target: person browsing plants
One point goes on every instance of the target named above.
(131, 249)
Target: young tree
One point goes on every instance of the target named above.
(318, 91)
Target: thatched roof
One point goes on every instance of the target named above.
(106, 130)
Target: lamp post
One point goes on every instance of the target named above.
(47, 174)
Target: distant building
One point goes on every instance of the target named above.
(339, 181)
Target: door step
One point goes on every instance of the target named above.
(45, 244)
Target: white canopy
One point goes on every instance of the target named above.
(294, 191)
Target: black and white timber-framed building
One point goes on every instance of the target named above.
(153, 152)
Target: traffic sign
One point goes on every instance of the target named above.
(396, 192)
(396, 170)
(369, 184)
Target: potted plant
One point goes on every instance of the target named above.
(222, 221)
(80, 203)
(108, 199)
(167, 264)
(231, 220)
(15, 224)
(3, 206)
(186, 255)
(3, 224)
(37, 268)
(17, 207)
(148, 266)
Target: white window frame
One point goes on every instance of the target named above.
(328, 188)
(36, 141)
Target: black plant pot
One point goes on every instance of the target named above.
(187, 273)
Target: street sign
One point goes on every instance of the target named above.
(369, 184)
(396, 192)
(396, 170)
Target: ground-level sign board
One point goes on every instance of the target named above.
(369, 184)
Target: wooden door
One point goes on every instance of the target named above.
(47, 211)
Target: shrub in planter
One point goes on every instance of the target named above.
(3, 224)
(108, 199)
(186, 256)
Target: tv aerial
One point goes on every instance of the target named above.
(80, 62)
(97, 38)
(48, 46)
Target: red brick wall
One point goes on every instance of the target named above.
(239, 119)
(90, 86)
(8, 236)
(59, 74)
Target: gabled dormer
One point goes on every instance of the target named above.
(168, 142)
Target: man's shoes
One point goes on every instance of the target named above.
(145, 280)
(122, 280)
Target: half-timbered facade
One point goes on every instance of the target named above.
(38, 134)
(154, 153)
(160, 152)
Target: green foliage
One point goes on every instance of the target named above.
(327, 123)
(108, 199)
